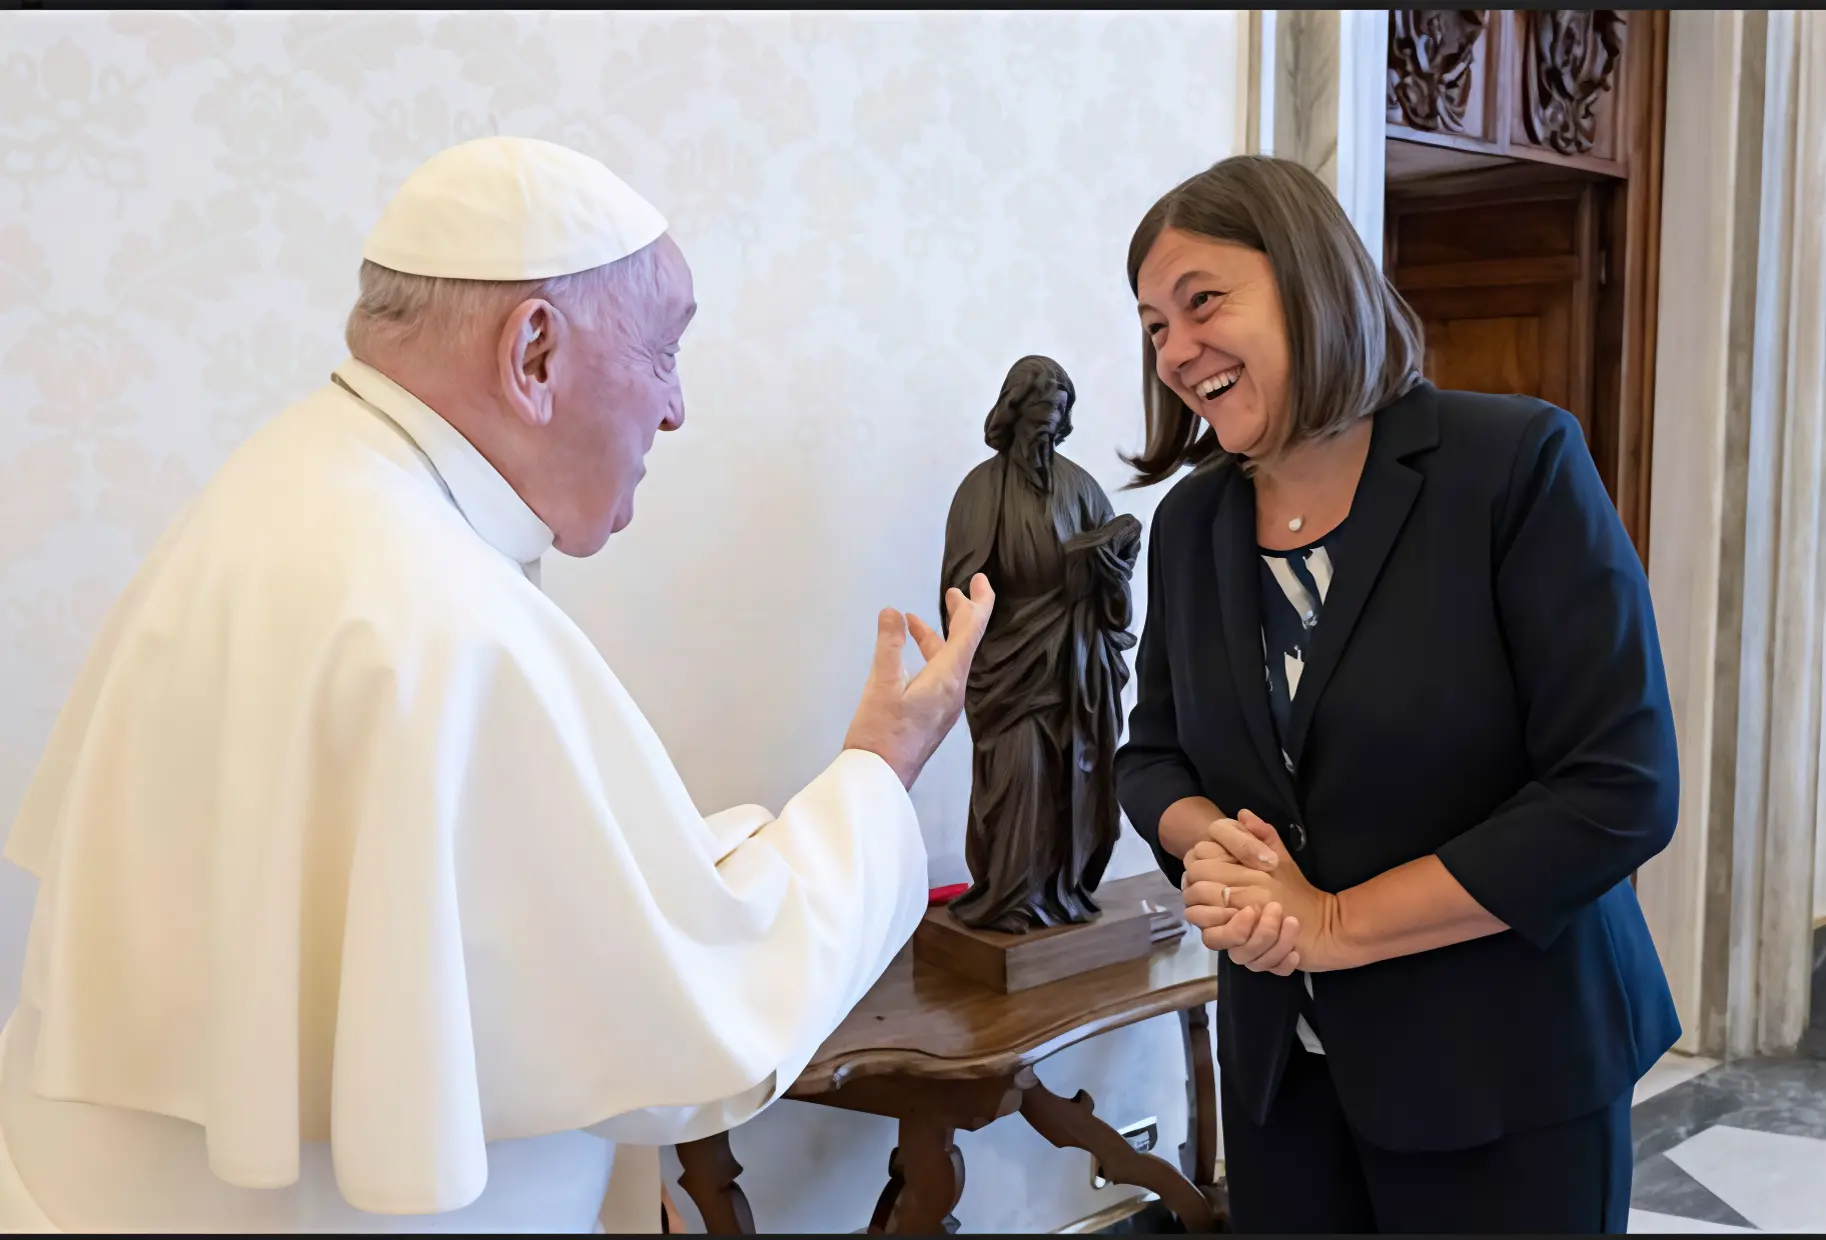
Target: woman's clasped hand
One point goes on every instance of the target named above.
(1263, 912)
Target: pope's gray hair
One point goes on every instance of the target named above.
(396, 309)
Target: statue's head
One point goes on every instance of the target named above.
(1035, 406)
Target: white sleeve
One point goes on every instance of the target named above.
(603, 958)
(857, 798)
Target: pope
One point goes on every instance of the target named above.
(368, 901)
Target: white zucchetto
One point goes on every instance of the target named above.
(510, 209)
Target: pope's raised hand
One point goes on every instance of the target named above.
(903, 719)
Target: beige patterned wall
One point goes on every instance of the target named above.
(882, 212)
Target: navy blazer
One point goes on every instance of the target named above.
(1485, 685)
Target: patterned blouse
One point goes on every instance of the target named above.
(1294, 586)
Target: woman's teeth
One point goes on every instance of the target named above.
(1217, 385)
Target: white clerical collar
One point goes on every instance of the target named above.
(487, 500)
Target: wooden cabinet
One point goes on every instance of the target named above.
(1507, 283)
(1524, 169)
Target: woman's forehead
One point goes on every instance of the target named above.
(1177, 257)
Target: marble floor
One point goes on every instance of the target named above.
(1731, 1147)
(1736, 1147)
(1740, 1147)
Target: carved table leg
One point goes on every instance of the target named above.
(1074, 1125)
(890, 1194)
(710, 1176)
(1198, 1156)
(934, 1179)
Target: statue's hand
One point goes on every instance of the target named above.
(1098, 565)
(901, 719)
(1121, 535)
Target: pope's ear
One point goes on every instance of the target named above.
(528, 341)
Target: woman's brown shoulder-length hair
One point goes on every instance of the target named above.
(1353, 344)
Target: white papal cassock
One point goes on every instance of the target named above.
(368, 899)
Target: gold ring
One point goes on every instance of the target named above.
(1226, 897)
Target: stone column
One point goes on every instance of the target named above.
(1785, 586)
(1739, 519)
(1314, 86)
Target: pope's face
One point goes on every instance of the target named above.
(1213, 312)
(622, 395)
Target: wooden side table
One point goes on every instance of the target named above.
(939, 1053)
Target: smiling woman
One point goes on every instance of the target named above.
(1400, 637)
(1241, 262)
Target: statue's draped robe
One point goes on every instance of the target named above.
(1045, 689)
(369, 901)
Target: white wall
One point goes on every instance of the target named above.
(882, 214)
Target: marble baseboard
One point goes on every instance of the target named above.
(1671, 1071)
(1813, 1042)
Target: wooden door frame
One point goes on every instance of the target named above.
(1641, 282)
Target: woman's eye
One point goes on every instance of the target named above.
(1154, 329)
(1199, 299)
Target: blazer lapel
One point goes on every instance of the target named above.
(1239, 600)
(1385, 496)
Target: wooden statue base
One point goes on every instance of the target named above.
(1126, 929)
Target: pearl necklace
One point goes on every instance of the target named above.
(1296, 523)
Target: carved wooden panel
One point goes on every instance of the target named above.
(1543, 85)
(1571, 58)
(1438, 60)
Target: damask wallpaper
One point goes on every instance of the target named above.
(882, 213)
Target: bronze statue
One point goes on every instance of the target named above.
(1045, 691)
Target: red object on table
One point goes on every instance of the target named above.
(946, 894)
